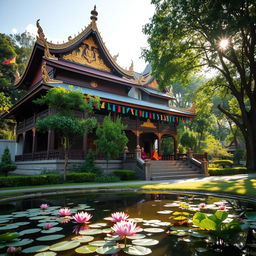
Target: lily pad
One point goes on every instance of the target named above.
(113, 238)
(108, 249)
(21, 242)
(172, 205)
(50, 237)
(137, 236)
(179, 233)
(164, 212)
(65, 245)
(22, 223)
(46, 254)
(84, 239)
(154, 230)
(90, 232)
(101, 243)
(4, 221)
(37, 248)
(38, 217)
(106, 230)
(29, 231)
(86, 249)
(51, 230)
(98, 225)
(10, 226)
(52, 223)
(145, 242)
(5, 216)
(137, 250)
(8, 236)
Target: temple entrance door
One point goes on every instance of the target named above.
(147, 140)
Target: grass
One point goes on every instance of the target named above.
(245, 187)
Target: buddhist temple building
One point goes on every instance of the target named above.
(85, 63)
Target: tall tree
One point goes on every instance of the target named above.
(186, 35)
(64, 122)
(111, 138)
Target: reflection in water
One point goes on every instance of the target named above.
(157, 211)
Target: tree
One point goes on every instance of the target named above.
(5, 102)
(188, 140)
(111, 138)
(66, 103)
(220, 35)
(6, 164)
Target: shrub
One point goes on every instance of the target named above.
(87, 166)
(6, 164)
(12, 181)
(227, 171)
(106, 179)
(81, 177)
(125, 174)
(223, 163)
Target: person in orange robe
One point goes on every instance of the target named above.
(155, 156)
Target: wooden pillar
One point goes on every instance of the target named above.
(23, 142)
(85, 144)
(34, 140)
(50, 142)
(175, 144)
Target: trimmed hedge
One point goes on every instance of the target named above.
(125, 174)
(223, 163)
(227, 171)
(109, 178)
(46, 179)
(81, 177)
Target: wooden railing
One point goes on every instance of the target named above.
(200, 157)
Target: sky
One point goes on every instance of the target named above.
(119, 21)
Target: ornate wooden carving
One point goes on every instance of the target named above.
(88, 54)
(45, 75)
(148, 124)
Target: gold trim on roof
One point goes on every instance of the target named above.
(88, 54)
(86, 30)
(148, 124)
(45, 75)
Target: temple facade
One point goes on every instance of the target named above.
(84, 63)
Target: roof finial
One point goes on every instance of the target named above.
(94, 14)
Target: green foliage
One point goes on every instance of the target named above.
(8, 236)
(167, 146)
(13, 181)
(6, 164)
(215, 224)
(64, 122)
(81, 177)
(223, 163)
(214, 148)
(125, 174)
(5, 102)
(227, 171)
(188, 140)
(111, 138)
(87, 166)
(107, 179)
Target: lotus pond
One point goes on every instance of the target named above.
(121, 224)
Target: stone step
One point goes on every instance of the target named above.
(180, 176)
(171, 169)
(174, 174)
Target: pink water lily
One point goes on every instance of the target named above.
(119, 216)
(44, 206)
(125, 228)
(82, 217)
(47, 226)
(13, 250)
(202, 205)
(222, 207)
(64, 212)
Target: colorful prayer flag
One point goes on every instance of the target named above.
(10, 61)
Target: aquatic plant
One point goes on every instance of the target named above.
(222, 207)
(44, 206)
(119, 216)
(82, 217)
(64, 212)
(47, 226)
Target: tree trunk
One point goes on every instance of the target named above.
(250, 142)
(65, 165)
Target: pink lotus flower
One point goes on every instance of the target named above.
(13, 250)
(65, 219)
(119, 216)
(48, 226)
(64, 212)
(222, 207)
(125, 228)
(44, 206)
(82, 217)
(202, 205)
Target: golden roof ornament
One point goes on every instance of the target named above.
(45, 75)
(131, 67)
(41, 36)
(94, 18)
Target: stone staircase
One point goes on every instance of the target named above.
(173, 169)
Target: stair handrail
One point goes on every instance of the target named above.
(202, 165)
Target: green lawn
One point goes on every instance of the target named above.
(246, 187)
